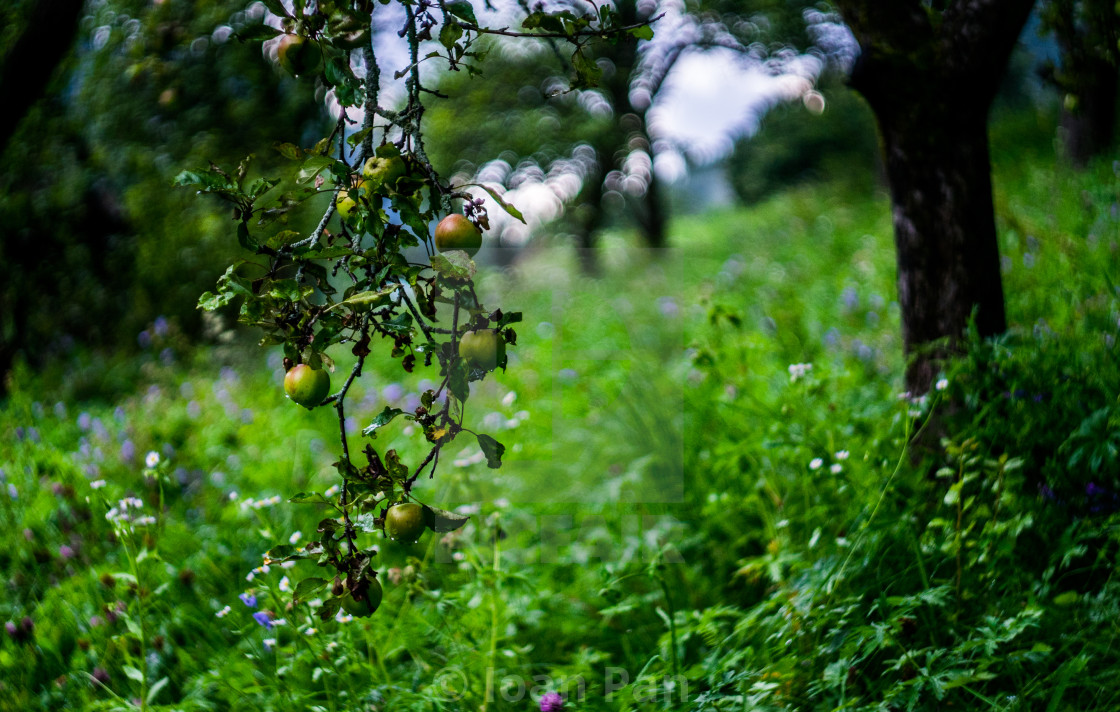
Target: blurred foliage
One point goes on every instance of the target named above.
(94, 241)
(1087, 33)
(795, 144)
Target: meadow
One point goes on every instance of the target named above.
(714, 497)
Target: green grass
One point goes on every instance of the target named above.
(679, 523)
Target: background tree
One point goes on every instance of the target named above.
(930, 74)
(1088, 37)
(85, 179)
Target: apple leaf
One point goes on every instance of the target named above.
(276, 8)
(507, 206)
(256, 33)
(462, 10)
(285, 552)
(450, 34)
(454, 264)
(442, 521)
(312, 167)
(645, 32)
(365, 301)
(308, 498)
(283, 238)
(383, 418)
(307, 588)
(459, 382)
(492, 449)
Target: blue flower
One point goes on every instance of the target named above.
(262, 618)
(248, 599)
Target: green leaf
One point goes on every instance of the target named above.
(456, 265)
(245, 239)
(450, 34)
(308, 497)
(155, 689)
(210, 301)
(442, 521)
(588, 72)
(288, 150)
(645, 32)
(400, 324)
(282, 239)
(358, 136)
(283, 552)
(383, 418)
(307, 588)
(312, 167)
(462, 10)
(507, 319)
(365, 301)
(459, 383)
(508, 207)
(276, 8)
(543, 20)
(492, 449)
(133, 674)
(256, 33)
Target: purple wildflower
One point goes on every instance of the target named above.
(262, 618)
(248, 599)
(552, 702)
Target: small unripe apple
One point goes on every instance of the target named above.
(307, 386)
(347, 200)
(298, 56)
(365, 603)
(405, 522)
(383, 171)
(483, 348)
(456, 232)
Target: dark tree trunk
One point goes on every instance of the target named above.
(945, 235)
(930, 84)
(26, 69)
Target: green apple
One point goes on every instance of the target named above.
(385, 167)
(307, 386)
(484, 348)
(365, 603)
(405, 522)
(456, 232)
(347, 200)
(299, 56)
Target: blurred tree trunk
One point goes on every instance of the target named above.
(929, 75)
(1090, 126)
(26, 69)
(1087, 33)
(615, 141)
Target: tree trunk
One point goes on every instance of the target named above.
(945, 235)
(26, 69)
(930, 77)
